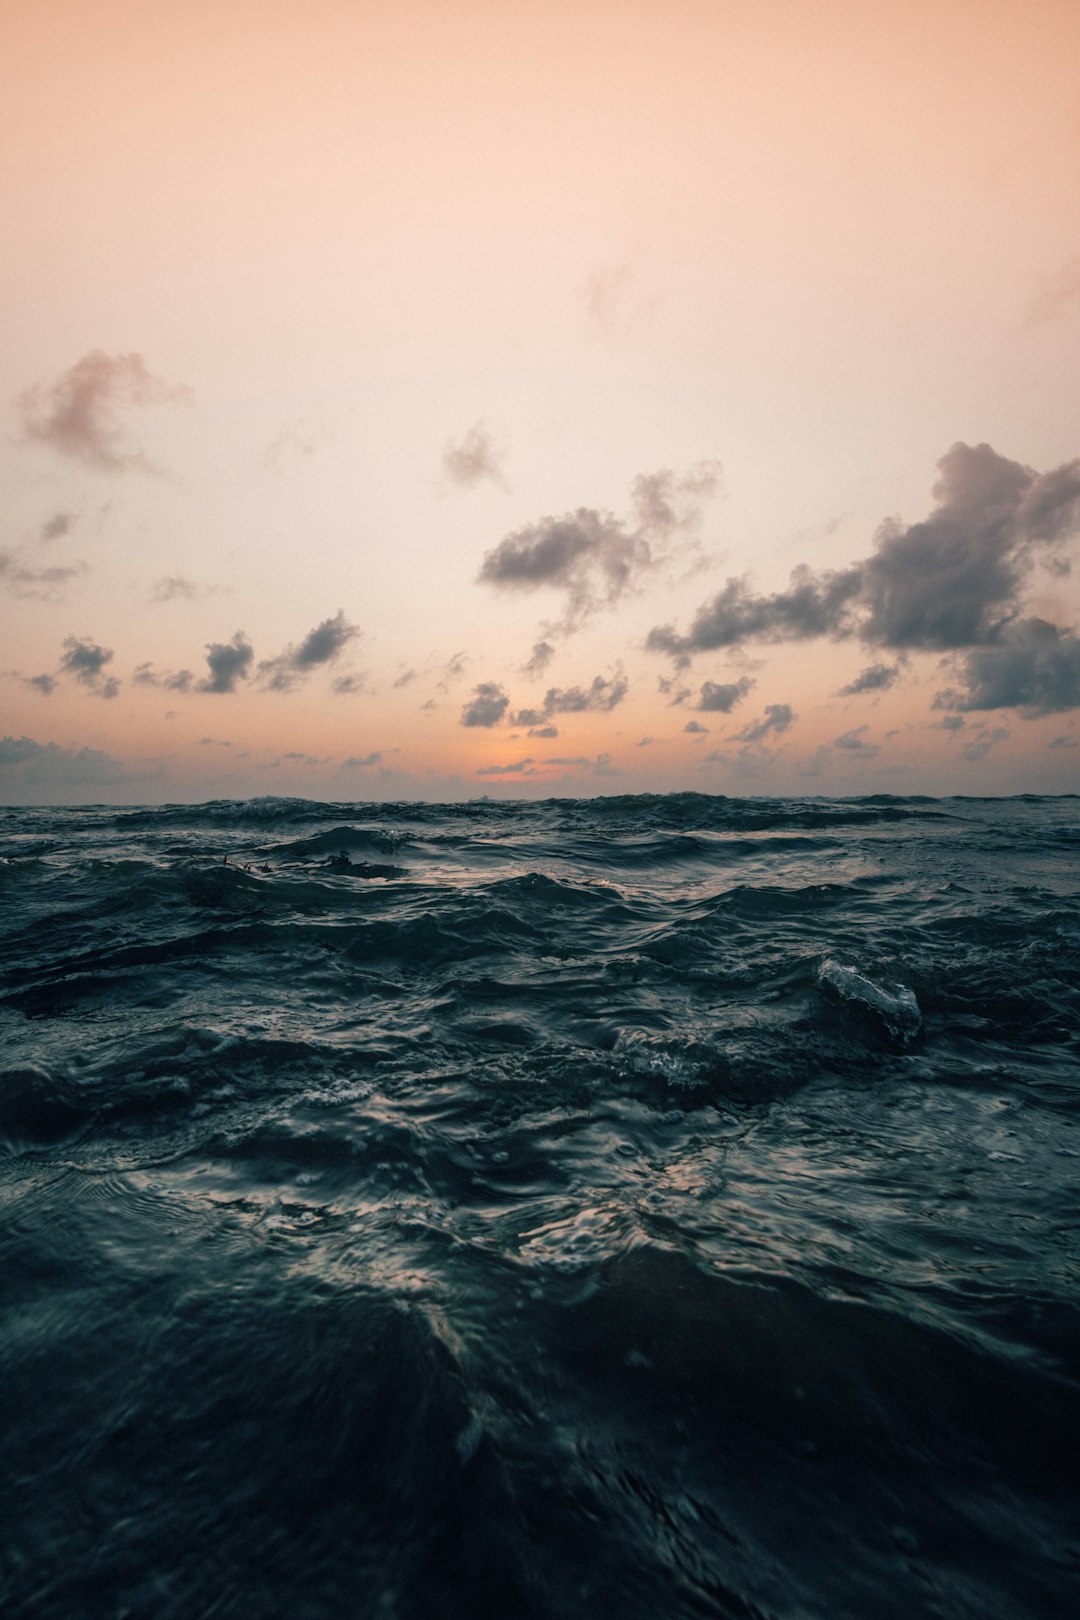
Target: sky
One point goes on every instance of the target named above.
(425, 399)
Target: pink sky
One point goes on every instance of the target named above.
(356, 349)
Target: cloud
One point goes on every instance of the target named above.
(665, 502)
(813, 605)
(230, 662)
(486, 707)
(356, 762)
(696, 728)
(539, 659)
(295, 442)
(723, 698)
(1035, 668)
(1058, 295)
(601, 694)
(214, 742)
(950, 722)
(349, 685)
(44, 584)
(519, 767)
(854, 742)
(405, 679)
(46, 765)
(45, 684)
(77, 415)
(172, 681)
(874, 678)
(980, 746)
(600, 765)
(1063, 741)
(85, 661)
(475, 457)
(58, 525)
(543, 731)
(593, 558)
(323, 645)
(777, 718)
(951, 581)
(613, 295)
(174, 588)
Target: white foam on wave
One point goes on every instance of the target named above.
(895, 1005)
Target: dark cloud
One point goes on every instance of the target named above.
(214, 742)
(812, 605)
(519, 767)
(45, 684)
(180, 680)
(85, 661)
(644, 742)
(539, 659)
(951, 581)
(777, 718)
(323, 645)
(950, 722)
(722, 699)
(544, 731)
(486, 707)
(593, 558)
(230, 663)
(980, 746)
(1064, 741)
(600, 694)
(77, 415)
(671, 687)
(45, 584)
(58, 525)
(475, 457)
(1058, 295)
(405, 680)
(1035, 668)
(361, 762)
(31, 764)
(854, 742)
(874, 678)
(696, 728)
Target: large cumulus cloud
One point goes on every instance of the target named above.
(1034, 668)
(951, 582)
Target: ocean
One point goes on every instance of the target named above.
(634, 1207)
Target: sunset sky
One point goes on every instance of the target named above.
(430, 398)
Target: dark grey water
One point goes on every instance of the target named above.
(642, 1206)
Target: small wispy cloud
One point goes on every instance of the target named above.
(79, 414)
(22, 579)
(477, 457)
(1058, 296)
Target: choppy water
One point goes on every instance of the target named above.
(639, 1207)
